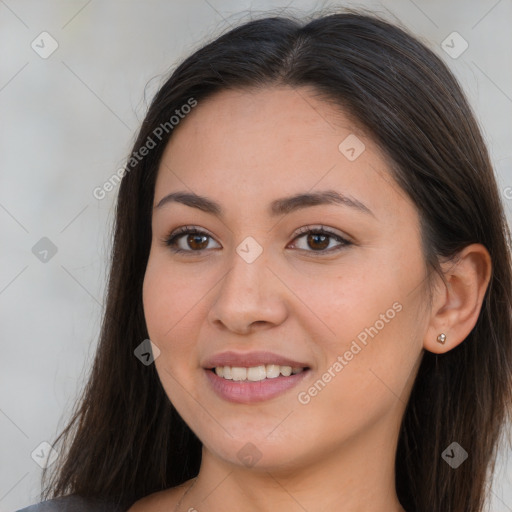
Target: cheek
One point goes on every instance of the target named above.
(173, 310)
(166, 303)
(156, 301)
(366, 375)
(340, 306)
(166, 299)
(373, 312)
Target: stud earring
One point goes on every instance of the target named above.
(441, 338)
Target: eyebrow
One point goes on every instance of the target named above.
(277, 207)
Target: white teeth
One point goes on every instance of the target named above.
(286, 370)
(256, 373)
(239, 373)
(272, 371)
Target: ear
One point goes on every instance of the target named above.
(457, 301)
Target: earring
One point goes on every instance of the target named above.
(441, 338)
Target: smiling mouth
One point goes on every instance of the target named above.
(252, 384)
(256, 373)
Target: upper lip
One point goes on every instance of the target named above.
(249, 359)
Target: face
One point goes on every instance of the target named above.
(333, 289)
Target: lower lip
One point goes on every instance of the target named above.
(247, 392)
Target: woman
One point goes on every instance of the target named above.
(310, 233)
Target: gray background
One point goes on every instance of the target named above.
(68, 122)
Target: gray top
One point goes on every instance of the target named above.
(72, 503)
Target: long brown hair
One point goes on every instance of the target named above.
(125, 439)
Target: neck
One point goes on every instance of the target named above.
(356, 476)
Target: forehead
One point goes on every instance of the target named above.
(257, 126)
(253, 145)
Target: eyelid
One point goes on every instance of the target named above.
(182, 231)
(321, 228)
(343, 240)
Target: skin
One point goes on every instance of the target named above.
(245, 149)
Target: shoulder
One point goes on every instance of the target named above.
(72, 503)
(161, 501)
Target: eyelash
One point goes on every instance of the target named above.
(170, 241)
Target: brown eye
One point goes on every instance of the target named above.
(192, 240)
(188, 239)
(197, 242)
(317, 241)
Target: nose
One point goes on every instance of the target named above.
(249, 297)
